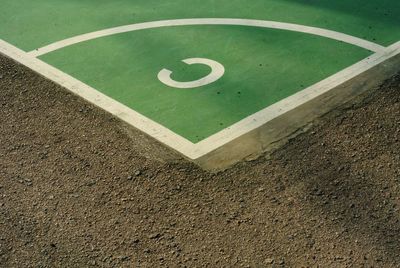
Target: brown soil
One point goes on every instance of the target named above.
(79, 190)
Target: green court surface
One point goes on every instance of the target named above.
(262, 65)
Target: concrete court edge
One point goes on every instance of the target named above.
(277, 130)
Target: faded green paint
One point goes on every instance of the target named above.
(31, 24)
(262, 66)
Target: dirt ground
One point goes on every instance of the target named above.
(77, 189)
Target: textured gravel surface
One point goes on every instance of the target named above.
(77, 189)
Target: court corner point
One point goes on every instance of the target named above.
(343, 88)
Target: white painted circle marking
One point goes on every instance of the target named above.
(217, 71)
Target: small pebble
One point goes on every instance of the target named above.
(154, 236)
(269, 261)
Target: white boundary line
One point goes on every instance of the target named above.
(210, 21)
(215, 141)
(121, 111)
(262, 117)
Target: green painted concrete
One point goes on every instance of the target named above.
(262, 67)
(31, 24)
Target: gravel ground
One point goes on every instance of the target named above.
(77, 189)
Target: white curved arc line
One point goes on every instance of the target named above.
(210, 21)
(217, 71)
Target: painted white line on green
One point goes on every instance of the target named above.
(171, 139)
(210, 21)
(217, 71)
(108, 104)
(262, 117)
